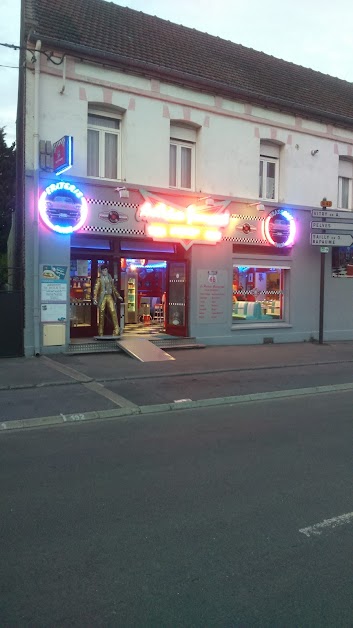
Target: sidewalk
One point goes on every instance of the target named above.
(19, 373)
(47, 391)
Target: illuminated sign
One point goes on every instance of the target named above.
(192, 223)
(279, 228)
(63, 154)
(63, 208)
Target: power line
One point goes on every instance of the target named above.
(48, 55)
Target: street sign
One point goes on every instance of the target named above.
(336, 226)
(328, 239)
(324, 249)
(323, 213)
(326, 203)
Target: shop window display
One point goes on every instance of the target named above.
(258, 294)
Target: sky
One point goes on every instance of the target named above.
(313, 33)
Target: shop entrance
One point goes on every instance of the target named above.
(154, 295)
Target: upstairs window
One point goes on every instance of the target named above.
(182, 158)
(103, 145)
(268, 171)
(345, 175)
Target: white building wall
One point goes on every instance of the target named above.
(227, 158)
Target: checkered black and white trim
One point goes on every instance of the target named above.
(244, 240)
(96, 201)
(93, 229)
(241, 217)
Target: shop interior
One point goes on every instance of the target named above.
(257, 293)
(142, 284)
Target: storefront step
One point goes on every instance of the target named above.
(109, 346)
(177, 343)
(93, 347)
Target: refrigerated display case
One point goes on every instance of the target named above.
(131, 293)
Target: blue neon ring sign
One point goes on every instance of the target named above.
(63, 208)
(280, 228)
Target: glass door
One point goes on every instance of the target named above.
(84, 272)
(176, 299)
(83, 322)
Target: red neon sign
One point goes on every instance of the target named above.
(191, 223)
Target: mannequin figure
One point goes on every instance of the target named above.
(104, 296)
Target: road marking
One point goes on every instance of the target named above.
(118, 400)
(66, 370)
(318, 528)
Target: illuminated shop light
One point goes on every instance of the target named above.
(157, 231)
(279, 228)
(183, 232)
(63, 208)
(189, 216)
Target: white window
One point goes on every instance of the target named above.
(345, 174)
(269, 171)
(182, 157)
(181, 165)
(344, 193)
(268, 178)
(103, 145)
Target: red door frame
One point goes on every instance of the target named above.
(177, 304)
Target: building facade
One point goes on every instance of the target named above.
(199, 195)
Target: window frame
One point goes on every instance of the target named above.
(267, 159)
(102, 131)
(179, 145)
(269, 317)
(340, 193)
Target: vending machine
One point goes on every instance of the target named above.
(130, 283)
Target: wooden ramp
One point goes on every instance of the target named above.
(143, 350)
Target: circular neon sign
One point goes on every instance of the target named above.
(279, 228)
(63, 208)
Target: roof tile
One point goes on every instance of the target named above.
(104, 28)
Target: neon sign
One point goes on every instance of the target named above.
(279, 228)
(190, 223)
(63, 208)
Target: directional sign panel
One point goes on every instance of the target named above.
(324, 213)
(331, 239)
(335, 226)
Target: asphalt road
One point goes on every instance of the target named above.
(182, 519)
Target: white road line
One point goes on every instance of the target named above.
(318, 528)
(109, 394)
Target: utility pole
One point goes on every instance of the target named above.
(324, 203)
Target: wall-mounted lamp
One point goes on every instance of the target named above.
(314, 152)
(259, 206)
(123, 192)
(209, 201)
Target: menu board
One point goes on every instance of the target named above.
(54, 291)
(211, 296)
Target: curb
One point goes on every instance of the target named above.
(118, 413)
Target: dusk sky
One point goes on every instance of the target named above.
(313, 33)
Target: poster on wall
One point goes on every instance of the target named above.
(53, 291)
(342, 262)
(51, 272)
(53, 312)
(211, 296)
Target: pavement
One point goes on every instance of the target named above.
(44, 391)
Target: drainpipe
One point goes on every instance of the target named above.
(36, 302)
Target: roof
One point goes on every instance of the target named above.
(143, 43)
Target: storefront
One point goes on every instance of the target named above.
(207, 267)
